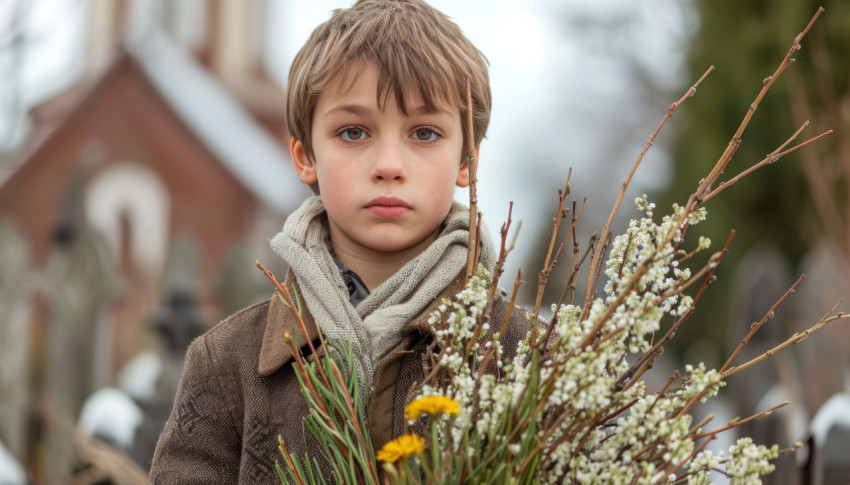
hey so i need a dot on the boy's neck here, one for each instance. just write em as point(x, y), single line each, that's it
point(375, 266)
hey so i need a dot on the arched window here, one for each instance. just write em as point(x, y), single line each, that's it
point(129, 205)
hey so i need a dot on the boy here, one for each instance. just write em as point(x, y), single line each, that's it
point(376, 107)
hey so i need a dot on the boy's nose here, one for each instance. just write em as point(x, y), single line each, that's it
point(388, 163)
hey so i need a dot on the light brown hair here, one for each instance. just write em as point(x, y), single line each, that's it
point(409, 43)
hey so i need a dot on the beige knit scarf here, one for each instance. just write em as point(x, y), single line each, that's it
point(377, 325)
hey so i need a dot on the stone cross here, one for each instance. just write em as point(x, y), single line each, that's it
point(15, 292)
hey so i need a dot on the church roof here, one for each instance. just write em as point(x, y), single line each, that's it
point(229, 131)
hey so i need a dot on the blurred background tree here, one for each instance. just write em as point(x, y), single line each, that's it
point(800, 200)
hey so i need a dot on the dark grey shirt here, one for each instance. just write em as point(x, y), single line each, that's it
point(357, 290)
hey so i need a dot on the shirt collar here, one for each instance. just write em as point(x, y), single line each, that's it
point(357, 290)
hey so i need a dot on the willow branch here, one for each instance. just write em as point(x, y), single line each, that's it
point(645, 360)
point(547, 267)
point(517, 283)
point(756, 326)
point(773, 157)
point(735, 142)
point(797, 337)
point(672, 109)
point(739, 422)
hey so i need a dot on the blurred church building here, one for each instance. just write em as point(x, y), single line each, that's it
point(159, 174)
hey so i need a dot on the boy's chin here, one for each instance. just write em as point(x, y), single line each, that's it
point(399, 243)
point(395, 246)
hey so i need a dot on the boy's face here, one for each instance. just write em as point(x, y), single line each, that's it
point(387, 180)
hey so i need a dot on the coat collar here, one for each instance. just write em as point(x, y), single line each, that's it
point(281, 319)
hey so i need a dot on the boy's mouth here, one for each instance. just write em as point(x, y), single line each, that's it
point(388, 207)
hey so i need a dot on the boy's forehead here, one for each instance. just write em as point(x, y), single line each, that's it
point(361, 82)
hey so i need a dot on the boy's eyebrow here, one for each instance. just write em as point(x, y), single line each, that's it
point(355, 109)
point(423, 110)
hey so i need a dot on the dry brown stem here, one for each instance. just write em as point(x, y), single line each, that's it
point(695, 428)
point(797, 337)
point(500, 262)
point(757, 325)
point(693, 454)
point(773, 157)
point(571, 232)
point(735, 424)
point(577, 263)
point(473, 195)
point(596, 260)
point(549, 262)
point(517, 283)
point(678, 289)
point(696, 200)
point(735, 142)
point(818, 179)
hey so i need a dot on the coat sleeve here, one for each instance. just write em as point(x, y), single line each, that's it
point(200, 442)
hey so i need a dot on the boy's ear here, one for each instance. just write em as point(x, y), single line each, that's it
point(463, 173)
point(305, 169)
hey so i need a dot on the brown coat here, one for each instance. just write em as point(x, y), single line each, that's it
point(238, 392)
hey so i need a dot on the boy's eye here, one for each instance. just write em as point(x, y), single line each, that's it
point(425, 134)
point(352, 134)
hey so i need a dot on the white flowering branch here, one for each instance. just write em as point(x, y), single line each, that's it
point(606, 229)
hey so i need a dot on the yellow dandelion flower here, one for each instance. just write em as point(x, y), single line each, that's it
point(401, 448)
point(433, 405)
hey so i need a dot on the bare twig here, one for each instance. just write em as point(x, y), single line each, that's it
point(678, 289)
point(776, 155)
point(756, 326)
point(797, 337)
point(735, 142)
point(645, 361)
point(517, 283)
point(739, 422)
point(549, 262)
point(500, 263)
point(693, 454)
point(473, 196)
point(577, 263)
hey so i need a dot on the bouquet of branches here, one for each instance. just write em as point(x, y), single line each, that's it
point(570, 404)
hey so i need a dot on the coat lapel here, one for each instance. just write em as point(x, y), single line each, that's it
point(281, 319)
